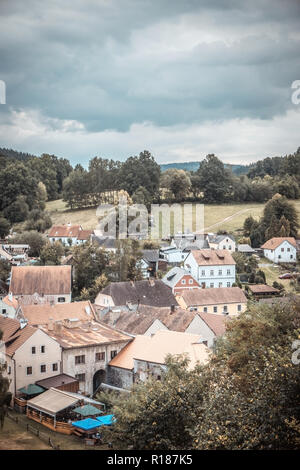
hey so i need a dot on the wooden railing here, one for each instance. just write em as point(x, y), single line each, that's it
point(59, 426)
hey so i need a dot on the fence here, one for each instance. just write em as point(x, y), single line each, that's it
point(29, 428)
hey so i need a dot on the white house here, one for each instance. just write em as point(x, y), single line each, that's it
point(69, 234)
point(221, 242)
point(8, 306)
point(281, 250)
point(211, 268)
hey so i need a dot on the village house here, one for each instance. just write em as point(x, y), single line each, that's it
point(281, 250)
point(245, 249)
point(261, 291)
point(8, 306)
point(147, 292)
point(41, 284)
point(211, 268)
point(179, 248)
point(221, 242)
point(146, 356)
point(211, 326)
point(223, 300)
point(105, 242)
point(30, 354)
point(42, 314)
point(147, 320)
point(149, 263)
point(69, 234)
point(178, 280)
point(87, 347)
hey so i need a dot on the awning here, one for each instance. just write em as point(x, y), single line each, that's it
point(106, 420)
point(31, 389)
point(86, 424)
point(52, 401)
point(88, 410)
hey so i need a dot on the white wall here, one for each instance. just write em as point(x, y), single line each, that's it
point(281, 253)
point(219, 278)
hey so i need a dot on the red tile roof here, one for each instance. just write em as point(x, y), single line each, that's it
point(213, 296)
point(276, 241)
point(47, 280)
point(217, 323)
point(213, 257)
point(68, 231)
point(262, 288)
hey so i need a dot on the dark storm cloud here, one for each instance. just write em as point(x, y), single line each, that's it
point(110, 64)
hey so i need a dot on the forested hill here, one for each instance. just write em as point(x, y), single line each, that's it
point(193, 166)
point(11, 154)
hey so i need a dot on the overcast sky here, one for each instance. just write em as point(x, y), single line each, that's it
point(180, 78)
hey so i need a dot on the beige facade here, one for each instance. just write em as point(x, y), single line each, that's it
point(234, 308)
point(41, 363)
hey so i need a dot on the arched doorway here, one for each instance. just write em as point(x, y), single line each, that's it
point(98, 378)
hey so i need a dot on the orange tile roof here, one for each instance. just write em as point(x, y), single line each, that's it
point(13, 335)
point(68, 231)
point(217, 323)
point(156, 348)
point(276, 241)
point(84, 234)
point(40, 314)
point(26, 280)
point(213, 257)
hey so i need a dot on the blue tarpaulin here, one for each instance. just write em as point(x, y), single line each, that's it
point(86, 424)
point(106, 420)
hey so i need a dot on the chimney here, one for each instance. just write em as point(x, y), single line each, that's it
point(172, 309)
point(58, 328)
point(10, 296)
point(51, 324)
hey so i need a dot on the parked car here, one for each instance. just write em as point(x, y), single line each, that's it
point(286, 276)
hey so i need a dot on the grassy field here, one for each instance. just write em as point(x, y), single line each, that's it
point(216, 216)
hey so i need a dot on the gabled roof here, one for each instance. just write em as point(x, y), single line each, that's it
point(69, 231)
point(213, 296)
point(174, 275)
point(151, 256)
point(41, 314)
point(27, 280)
point(13, 335)
point(275, 242)
point(262, 288)
point(84, 234)
point(139, 321)
point(156, 348)
point(147, 292)
point(56, 381)
point(11, 302)
point(220, 238)
point(217, 323)
point(212, 257)
point(245, 248)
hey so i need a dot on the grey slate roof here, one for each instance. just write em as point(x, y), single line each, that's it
point(245, 248)
point(219, 238)
point(151, 256)
point(173, 276)
point(154, 293)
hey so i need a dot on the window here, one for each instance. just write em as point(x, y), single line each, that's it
point(224, 247)
point(220, 272)
point(190, 281)
point(79, 359)
point(220, 284)
point(55, 367)
point(279, 256)
point(182, 281)
point(9, 370)
point(113, 354)
point(43, 368)
point(29, 370)
point(158, 377)
point(100, 356)
point(61, 299)
point(215, 309)
point(228, 284)
point(211, 284)
point(203, 272)
point(228, 272)
point(229, 247)
point(211, 272)
point(43, 349)
point(225, 308)
point(291, 256)
point(239, 308)
point(288, 249)
point(282, 249)
point(80, 377)
point(4, 311)
point(205, 309)
point(33, 350)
